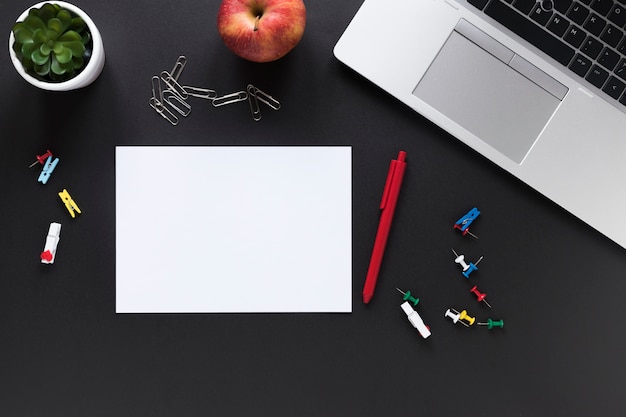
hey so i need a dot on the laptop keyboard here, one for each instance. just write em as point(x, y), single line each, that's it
point(586, 36)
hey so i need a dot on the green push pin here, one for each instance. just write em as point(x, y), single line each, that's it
point(408, 297)
point(493, 323)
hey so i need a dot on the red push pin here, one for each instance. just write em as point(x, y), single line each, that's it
point(41, 159)
point(480, 295)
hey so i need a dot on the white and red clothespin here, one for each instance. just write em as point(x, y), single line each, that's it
point(52, 240)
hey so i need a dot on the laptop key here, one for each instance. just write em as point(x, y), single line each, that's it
point(602, 6)
point(595, 24)
point(578, 13)
point(620, 70)
point(479, 4)
point(614, 87)
point(540, 16)
point(575, 36)
point(529, 31)
point(591, 47)
point(597, 76)
point(562, 6)
point(608, 59)
point(524, 6)
point(558, 25)
point(618, 15)
point(580, 65)
point(612, 35)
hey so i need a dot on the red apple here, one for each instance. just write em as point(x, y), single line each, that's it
point(261, 30)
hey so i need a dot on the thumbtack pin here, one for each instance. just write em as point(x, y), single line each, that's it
point(464, 316)
point(408, 297)
point(467, 268)
point(455, 316)
point(41, 159)
point(480, 295)
point(493, 323)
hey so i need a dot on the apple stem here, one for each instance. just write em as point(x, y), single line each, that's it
point(256, 23)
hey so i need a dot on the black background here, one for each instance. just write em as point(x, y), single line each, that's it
point(557, 283)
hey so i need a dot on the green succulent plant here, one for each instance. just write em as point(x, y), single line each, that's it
point(52, 43)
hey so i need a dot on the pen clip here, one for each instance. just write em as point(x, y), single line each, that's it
point(388, 182)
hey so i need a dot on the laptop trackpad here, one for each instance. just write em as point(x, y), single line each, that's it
point(490, 93)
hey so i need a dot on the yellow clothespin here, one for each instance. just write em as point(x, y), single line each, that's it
point(70, 204)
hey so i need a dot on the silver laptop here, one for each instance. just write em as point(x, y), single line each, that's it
point(538, 87)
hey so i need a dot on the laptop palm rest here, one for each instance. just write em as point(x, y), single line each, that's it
point(489, 90)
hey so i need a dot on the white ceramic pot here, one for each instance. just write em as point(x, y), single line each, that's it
point(87, 74)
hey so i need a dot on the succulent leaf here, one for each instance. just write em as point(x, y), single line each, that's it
point(34, 23)
point(58, 67)
point(70, 36)
point(39, 36)
point(47, 12)
point(66, 19)
point(51, 35)
point(42, 70)
point(76, 47)
point(64, 56)
point(56, 25)
point(23, 35)
point(38, 57)
point(45, 49)
point(29, 48)
point(78, 25)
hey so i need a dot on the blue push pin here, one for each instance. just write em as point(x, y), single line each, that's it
point(467, 268)
point(464, 222)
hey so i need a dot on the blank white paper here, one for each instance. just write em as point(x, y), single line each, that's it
point(233, 229)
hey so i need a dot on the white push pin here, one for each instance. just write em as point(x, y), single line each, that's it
point(455, 316)
point(415, 320)
point(467, 268)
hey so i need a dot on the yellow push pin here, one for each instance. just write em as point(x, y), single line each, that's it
point(464, 316)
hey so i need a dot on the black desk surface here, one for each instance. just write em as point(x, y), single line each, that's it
point(558, 284)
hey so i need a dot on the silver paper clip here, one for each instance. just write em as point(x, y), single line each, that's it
point(265, 98)
point(157, 94)
point(163, 111)
point(254, 103)
point(230, 98)
point(200, 92)
point(176, 102)
point(173, 85)
point(178, 67)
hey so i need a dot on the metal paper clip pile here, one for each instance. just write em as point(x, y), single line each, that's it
point(169, 97)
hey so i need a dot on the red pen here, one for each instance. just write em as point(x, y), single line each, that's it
point(388, 207)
